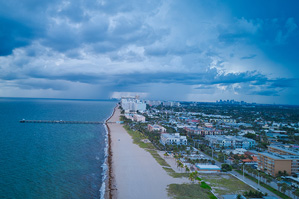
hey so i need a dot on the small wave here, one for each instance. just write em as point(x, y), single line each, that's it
point(104, 165)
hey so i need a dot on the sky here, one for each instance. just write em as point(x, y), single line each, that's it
point(194, 50)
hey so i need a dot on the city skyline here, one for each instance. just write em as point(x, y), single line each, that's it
point(164, 50)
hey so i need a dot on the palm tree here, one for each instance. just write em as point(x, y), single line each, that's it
point(181, 165)
point(268, 179)
point(296, 192)
point(178, 163)
point(192, 177)
point(187, 169)
point(279, 185)
point(284, 187)
point(166, 154)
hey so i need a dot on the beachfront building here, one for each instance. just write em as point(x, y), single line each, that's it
point(156, 128)
point(132, 104)
point(175, 138)
point(279, 158)
point(203, 168)
point(232, 142)
point(135, 117)
point(138, 118)
point(129, 116)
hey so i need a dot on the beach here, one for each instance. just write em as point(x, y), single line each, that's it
point(134, 173)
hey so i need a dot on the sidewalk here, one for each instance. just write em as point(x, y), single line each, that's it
point(253, 184)
point(246, 180)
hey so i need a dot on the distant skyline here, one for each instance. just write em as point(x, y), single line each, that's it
point(197, 50)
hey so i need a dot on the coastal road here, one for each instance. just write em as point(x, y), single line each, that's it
point(245, 180)
point(253, 184)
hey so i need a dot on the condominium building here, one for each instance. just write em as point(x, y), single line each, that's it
point(279, 158)
point(282, 150)
point(272, 163)
point(232, 142)
point(169, 139)
point(132, 104)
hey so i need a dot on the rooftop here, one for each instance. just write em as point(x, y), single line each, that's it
point(294, 151)
point(279, 157)
point(205, 166)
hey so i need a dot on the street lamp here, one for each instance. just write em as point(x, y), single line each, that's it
point(243, 171)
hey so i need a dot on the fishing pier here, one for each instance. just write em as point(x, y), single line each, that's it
point(66, 122)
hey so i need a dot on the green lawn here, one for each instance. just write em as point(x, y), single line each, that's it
point(189, 191)
point(266, 186)
point(137, 139)
point(225, 184)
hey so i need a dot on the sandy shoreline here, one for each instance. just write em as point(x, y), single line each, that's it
point(133, 172)
point(109, 181)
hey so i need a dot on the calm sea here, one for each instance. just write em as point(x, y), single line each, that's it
point(52, 160)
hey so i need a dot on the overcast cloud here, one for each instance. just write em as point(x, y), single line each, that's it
point(171, 50)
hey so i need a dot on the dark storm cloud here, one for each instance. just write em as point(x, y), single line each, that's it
point(285, 83)
point(21, 22)
point(265, 93)
point(64, 26)
point(15, 34)
point(128, 45)
point(32, 84)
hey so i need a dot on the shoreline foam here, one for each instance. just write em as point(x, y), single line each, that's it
point(134, 173)
point(108, 161)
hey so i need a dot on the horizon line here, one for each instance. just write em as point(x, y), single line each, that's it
point(117, 99)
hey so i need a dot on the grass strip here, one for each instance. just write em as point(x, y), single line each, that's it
point(137, 139)
point(265, 185)
point(158, 158)
point(205, 186)
point(189, 191)
point(172, 173)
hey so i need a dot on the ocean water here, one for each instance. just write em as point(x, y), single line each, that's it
point(52, 160)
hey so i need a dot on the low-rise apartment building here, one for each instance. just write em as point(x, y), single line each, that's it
point(139, 118)
point(203, 131)
point(135, 117)
point(175, 138)
point(230, 142)
point(156, 127)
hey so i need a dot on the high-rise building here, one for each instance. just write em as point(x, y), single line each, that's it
point(132, 104)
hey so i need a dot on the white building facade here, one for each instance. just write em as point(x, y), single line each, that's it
point(170, 139)
point(132, 104)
